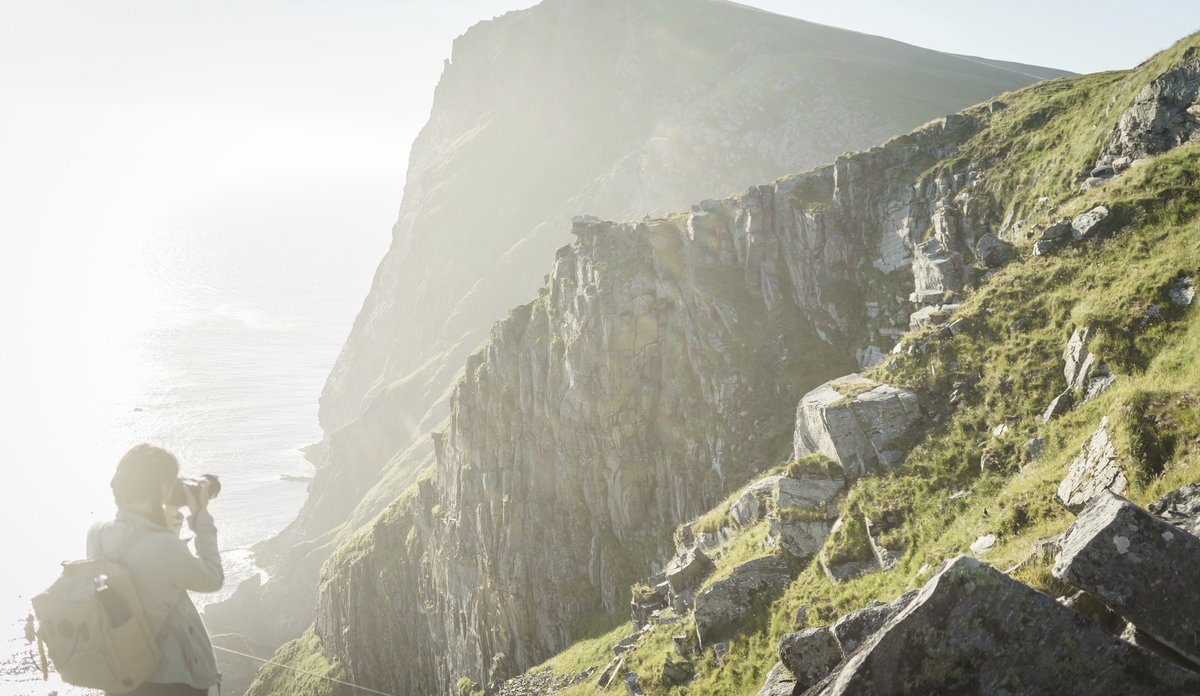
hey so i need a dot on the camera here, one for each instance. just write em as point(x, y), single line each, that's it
point(207, 481)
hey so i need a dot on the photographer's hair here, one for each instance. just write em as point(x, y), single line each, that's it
point(140, 476)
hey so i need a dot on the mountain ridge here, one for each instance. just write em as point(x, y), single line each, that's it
point(617, 109)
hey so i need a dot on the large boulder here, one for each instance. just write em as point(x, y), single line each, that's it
point(721, 606)
point(862, 424)
point(810, 654)
point(1095, 470)
point(1092, 223)
point(1141, 566)
point(974, 630)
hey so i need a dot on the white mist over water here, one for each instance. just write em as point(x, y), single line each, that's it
point(140, 302)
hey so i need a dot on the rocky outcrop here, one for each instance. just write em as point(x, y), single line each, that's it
point(1095, 470)
point(721, 606)
point(1164, 115)
point(862, 424)
point(1142, 567)
point(968, 629)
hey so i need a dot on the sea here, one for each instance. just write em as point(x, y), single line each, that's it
point(206, 324)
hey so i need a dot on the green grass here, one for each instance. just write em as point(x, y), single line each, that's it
point(303, 654)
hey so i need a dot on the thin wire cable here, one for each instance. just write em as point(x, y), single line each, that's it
point(295, 669)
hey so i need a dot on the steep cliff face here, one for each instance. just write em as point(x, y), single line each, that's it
point(658, 370)
point(611, 107)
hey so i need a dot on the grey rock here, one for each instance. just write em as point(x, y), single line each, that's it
point(609, 673)
point(676, 672)
point(923, 317)
point(721, 606)
point(1180, 507)
point(809, 490)
point(983, 544)
point(1183, 291)
point(1058, 406)
point(1102, 171)
point(993, 252)
point(1079, 364)
point(1043, 247)
point(686, 570)
point(810, 655)
point(1094, 470)
point(864, 432)
point(1056, 231)
point(936, 268)
point(1145, 569)
point(633, 685)
point(927, 297)
point(856, 627)
point(973, 630)
point(1090, 606)
point(841, 572)
point(1098, 385)
point(869, 356)
point(682, 643)
point(1091, 223)
point(779, 682)
point(799, 538)
point(626, 643)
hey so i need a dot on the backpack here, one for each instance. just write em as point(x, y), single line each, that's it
point(91, 623)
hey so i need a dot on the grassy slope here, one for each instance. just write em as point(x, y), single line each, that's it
point(1035, 148)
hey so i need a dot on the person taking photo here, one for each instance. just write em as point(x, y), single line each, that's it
point(162, 566)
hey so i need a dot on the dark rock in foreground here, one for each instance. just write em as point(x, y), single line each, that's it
point(1142, 567)
point(973, 630)
point(810, 654)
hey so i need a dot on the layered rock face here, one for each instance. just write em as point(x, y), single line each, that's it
point(612, 107)
point(658, 370)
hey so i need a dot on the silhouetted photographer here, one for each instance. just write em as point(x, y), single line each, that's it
point(122, 620)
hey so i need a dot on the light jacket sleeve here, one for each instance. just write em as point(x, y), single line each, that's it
point(201, 572)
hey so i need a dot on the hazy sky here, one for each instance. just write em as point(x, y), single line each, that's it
point(228, 92)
